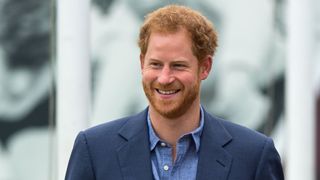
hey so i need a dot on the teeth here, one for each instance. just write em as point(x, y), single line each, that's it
point(166, 92)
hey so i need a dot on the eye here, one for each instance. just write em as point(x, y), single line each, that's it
point(179, 66)
point(155, 65)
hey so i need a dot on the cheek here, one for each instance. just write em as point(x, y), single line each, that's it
point(189, 80)
point(148, 76)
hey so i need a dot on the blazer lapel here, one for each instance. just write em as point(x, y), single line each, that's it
point(214, 162)
point(134, 154)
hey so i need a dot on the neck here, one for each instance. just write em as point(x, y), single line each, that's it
point(171, 129)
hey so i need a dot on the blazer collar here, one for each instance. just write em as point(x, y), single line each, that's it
point(134, 154)
point(214, 162)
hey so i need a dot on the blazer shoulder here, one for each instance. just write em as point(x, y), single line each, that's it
point(252, 148)
point(95, 150)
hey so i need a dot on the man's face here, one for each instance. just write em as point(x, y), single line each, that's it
point(171, 73)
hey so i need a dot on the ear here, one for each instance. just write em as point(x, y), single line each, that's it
point(205, 67)
point(141, 62)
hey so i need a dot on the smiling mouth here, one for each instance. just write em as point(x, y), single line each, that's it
point(167, 92)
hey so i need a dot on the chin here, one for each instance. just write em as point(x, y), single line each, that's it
point(170, 111)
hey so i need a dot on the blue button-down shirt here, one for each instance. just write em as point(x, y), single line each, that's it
point(185, 165)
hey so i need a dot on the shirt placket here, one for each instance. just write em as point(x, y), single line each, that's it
point(165, 164)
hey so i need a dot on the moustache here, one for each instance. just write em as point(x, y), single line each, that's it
point(167, 86)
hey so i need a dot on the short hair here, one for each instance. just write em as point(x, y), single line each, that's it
point(171, 18)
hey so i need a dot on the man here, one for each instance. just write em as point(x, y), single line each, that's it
point(174, 138)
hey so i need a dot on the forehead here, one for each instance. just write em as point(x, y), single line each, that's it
point(170, 46)
point(179, 39)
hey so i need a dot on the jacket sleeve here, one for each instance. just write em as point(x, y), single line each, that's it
point(269, 166)
point(80, 163)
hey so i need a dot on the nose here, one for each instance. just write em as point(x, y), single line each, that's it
point(165, 76)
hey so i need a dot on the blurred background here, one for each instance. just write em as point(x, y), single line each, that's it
point(263, 77)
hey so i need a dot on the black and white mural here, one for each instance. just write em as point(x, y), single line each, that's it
point(25, 89)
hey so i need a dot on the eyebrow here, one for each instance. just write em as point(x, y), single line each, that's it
point(151, 59)
point(174, 61)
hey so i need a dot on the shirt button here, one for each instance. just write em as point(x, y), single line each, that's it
point(166, 167)
point(163, 144)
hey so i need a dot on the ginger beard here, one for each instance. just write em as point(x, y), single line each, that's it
point(172, 108)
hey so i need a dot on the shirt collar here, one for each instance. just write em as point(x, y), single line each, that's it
point(195, 134)
point(153, 138)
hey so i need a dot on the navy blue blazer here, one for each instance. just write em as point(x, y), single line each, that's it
point(119, 150)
